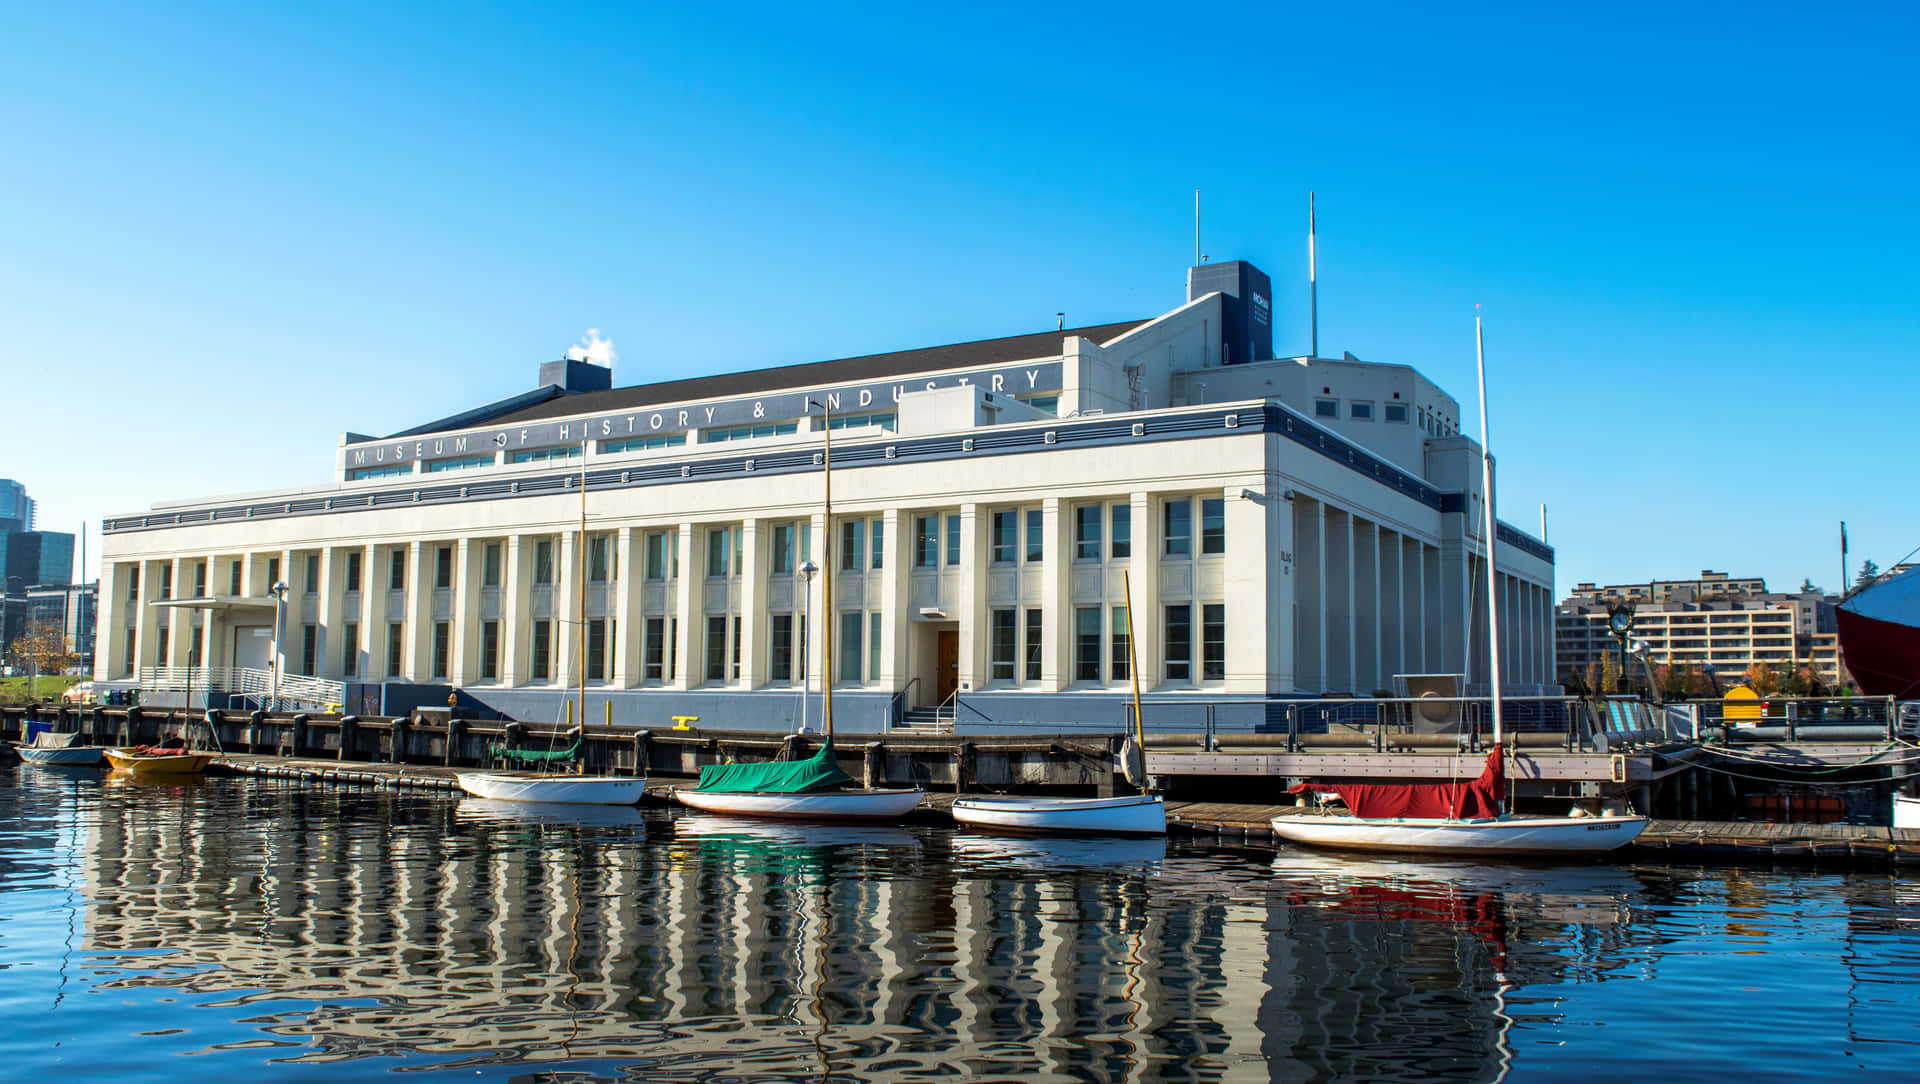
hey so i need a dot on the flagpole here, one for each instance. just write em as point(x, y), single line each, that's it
point(1843, 559)
point(1313, 280)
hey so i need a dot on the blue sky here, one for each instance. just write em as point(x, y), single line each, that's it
point(233, 234)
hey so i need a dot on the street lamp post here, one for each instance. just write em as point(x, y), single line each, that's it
point(279, 592)
point(807, 570)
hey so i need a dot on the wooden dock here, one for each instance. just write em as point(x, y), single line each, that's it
point(1680, 842)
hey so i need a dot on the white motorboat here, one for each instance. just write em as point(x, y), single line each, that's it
point(1458, 817)
point(554, 789)
point(488, 810)
point(1505, 835)
point(1133, 814)
point(828, 805)
point(1906, 809)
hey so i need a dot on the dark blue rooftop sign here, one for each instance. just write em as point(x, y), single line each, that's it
point(1018, 380)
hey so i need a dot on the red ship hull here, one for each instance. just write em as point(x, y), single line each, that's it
point(1884, 656)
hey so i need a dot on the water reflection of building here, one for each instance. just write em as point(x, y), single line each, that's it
point(404, 929)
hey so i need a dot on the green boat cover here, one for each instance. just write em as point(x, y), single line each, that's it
point(776, 777)
point(534, 756)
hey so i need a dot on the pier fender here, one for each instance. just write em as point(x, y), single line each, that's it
point(254, 719)
point(296, 734)
point(130, 727)
point(397, 739)
point(349, 725)
point(212, 719)
point(456, 731)
point(641, 753)
point(96, 725)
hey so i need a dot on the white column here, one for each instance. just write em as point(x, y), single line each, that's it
point(755, 560)
point(326, 659)
point(516, 613)
point(463, 665)
point(628, 591)
point(1143, 569)
point(1366, 607)
point(1056, 602)
point(1259, 593)
point(566, 612)
point(1310, 596)
point(419, 610)
point(896, 596)
point(686, 671)
point(972, 594)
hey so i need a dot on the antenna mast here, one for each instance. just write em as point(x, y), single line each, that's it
point(1313, 279)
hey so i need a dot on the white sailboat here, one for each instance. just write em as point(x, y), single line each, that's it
point(1472, 819)
point(571, 788)
point(815, 788)
point(1139, 814)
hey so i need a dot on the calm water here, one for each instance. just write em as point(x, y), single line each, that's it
point(248, 930)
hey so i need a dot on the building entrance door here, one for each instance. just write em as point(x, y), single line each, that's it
point(946, 667)
point(253, 647)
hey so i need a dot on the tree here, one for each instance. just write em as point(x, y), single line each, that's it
point(1869, 572)
point(1761, 679)
point(44, 649)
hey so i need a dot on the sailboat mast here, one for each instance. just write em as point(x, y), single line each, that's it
point(1486, 502)
point(580, 610)
point(826, 589)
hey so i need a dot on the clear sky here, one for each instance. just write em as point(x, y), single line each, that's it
point(231, 235)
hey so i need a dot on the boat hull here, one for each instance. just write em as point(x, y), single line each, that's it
point(1136, 815)
point(553, 789)
point(1540, 836)
point(826, 805)
point(72, 756)
point(1906, 811)
point(1882, 656)
point(163, 764)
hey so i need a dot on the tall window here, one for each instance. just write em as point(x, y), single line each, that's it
point(1213, 641)
point(1036, 534)
point(129, 667)
point(166, 580)
point(273, 571)
point(1002, 644)
point(133, 582)
point(394, 657)
point(1120, 545)
point(353, 571)
point(1119, 666)
point(1213, 525)
point(233, 578)
point(440, 644)
point(1086, 643)
point(597, 649)
point(1179, 642)
point(784, 549)
point(1035, 627)
point(717, 648)
point(490, 565)
point(199, 579)
point(876, 529)
point(953, 540)
point(926, 541)
point(160, 648)
point(543, 561)
point(873, 646)
point(350, 651)
point(396, 570)
point(663, 557)
point(542, 650)
point(780, 644)
point(309, 648)
point(852, 532)
point(443, 566)
point(722, 550)
point(196, 647)
point(313, 573)
point(656, 648)
point(599, 558)
point(851, 626)
point(1086, 532)
point(1179, 524)
point(1005, 537)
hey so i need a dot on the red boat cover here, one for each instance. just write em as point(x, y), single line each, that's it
point(1473, 800)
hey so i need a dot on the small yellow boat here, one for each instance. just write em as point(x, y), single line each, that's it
point(144, 761)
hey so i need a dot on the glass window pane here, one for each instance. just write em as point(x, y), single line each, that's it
point(1213, 525)
point(781, 643)
point(1036, 534)
point(1003, 645)
point(847, 651)
point(717, 648)
point(926, 541)
point(1086, 532)
point(1035, 627)
point(1122, 543)
point(953, 540)
point(1120, 663)
point(1005, 537)
point(873, 646)
point(1086, 643)
point(1179, 642)
point(1213, 642)
point(1179, 532)
point(877, 532)
point(850, 536)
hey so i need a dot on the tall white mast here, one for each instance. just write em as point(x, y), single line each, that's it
point(1486, 502)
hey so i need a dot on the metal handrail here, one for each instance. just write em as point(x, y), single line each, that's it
point(896, 710)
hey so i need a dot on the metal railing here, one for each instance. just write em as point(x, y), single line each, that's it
point(1804, 718)
point(246, 681)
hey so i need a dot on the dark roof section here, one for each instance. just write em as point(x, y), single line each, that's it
point(843, 371)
